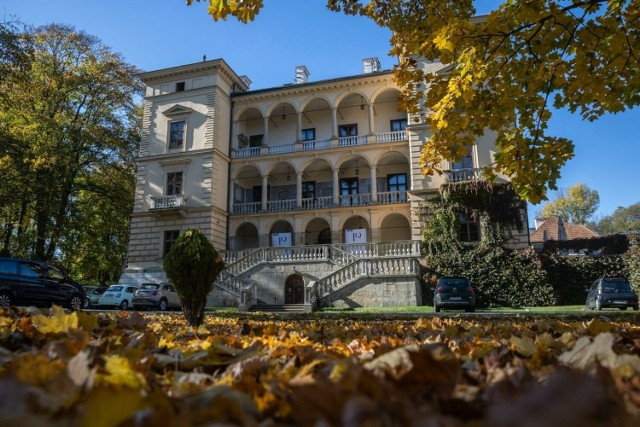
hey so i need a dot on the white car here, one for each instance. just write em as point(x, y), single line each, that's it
point(117, 296)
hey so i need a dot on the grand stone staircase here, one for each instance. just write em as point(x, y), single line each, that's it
point(350, 264)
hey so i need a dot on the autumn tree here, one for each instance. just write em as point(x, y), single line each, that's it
point(509, 70)
point(192, 265)
point(575, 205)
point(67, 119)
point(622, 220)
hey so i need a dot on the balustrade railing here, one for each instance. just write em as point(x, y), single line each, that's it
point(231, 283)
point(246, 262)
point(317, 202)
point(365, 267)
point(316, 144)
point(355, 199)
point(168, 202)
point(395, 136)
point(350, 141)
point(281, 205)
point(284, 148)
point(298, 253)
point(247, 208)
point(381, 249)
point(247, 152)
point(321, 144)
point(460, 175)
point(388, 197)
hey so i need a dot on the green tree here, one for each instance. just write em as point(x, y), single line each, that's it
point(66, 117)
point(510, 69)
point(622, 220)
point(576, 205)
point(192, 265)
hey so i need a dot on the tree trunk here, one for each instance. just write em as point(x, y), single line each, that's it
point(193, 311)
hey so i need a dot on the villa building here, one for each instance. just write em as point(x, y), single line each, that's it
point(311, 191)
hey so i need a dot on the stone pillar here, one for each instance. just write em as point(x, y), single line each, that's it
point(336, 187)
point(374, 185)
point(371, 119)
point(265, 131)
point(334, 123)
point(299, 126)
point(265, 182)
point(299, 189)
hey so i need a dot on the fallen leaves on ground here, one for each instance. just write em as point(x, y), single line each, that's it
point(64, 368)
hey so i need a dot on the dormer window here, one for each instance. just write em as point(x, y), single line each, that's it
point(176, 134)
point(180, 87)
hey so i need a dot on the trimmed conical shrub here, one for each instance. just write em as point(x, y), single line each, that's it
point(192, 265)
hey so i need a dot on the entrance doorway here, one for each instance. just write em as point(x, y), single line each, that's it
point(294, 290)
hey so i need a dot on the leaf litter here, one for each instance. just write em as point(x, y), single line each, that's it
point(134, 369)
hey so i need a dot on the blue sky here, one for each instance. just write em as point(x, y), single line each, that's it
point(165, 33)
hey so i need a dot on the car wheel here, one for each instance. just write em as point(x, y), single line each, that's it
point(162, 305)
point(87, 303)
point(76, 303)
point(5, 300)
point(470, 310)
point(623, 308)
point(124, 305)
point(437, 308)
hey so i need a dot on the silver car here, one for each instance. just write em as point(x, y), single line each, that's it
point(158, 296)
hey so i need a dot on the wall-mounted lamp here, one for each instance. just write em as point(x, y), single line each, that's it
point(283, 115)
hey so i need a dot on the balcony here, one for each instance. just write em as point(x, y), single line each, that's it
point(168, 204)
point(351, 200)
point(320, 144)
point(462, 175)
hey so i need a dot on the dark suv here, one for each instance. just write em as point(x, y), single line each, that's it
point(27, 282)
point(613, 292)
point(453, 292)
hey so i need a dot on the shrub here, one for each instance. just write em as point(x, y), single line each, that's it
point(500, 277)
point(192, 265)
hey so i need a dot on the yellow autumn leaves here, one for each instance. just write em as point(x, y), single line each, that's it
point(332, 370)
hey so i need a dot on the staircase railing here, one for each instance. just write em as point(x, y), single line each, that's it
point(364, 268)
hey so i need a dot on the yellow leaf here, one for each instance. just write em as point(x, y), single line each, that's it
point(119, 373)
point(523, 346)
point(57, 322)
point(105, 408)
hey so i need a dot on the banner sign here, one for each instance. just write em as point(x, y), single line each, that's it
point(280, 239)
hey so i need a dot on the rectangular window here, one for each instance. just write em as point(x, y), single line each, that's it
point(469, 231)
point(308, 189)
point(174, 183)
point(349, 191)
point(180, 87)
point(347, 130)
point(466, 162)
point(170, 237)
point(176, 134)
point(397, 186)
point(308, 134)
point(398, 125)
point(255, 140)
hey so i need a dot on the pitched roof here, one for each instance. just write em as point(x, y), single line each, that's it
point(554, 228)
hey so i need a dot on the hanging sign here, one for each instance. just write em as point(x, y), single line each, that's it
point(280, 239)
point(355, 235)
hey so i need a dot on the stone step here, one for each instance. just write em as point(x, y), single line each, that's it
point(279, 308)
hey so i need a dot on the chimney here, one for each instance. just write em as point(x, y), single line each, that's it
point(246, 80)
point(371, 65)
point(302, 74)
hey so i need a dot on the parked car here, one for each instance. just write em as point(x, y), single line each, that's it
point(453, 292)
point(154, 295)
point(117, 296)
point(28, 282)
point(611, 292)
point(93, 295)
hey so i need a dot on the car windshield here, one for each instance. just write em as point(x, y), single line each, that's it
point(454, 283)
point(115, 288)
point(616, 285)
point(99, 291)
point(150, 286)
